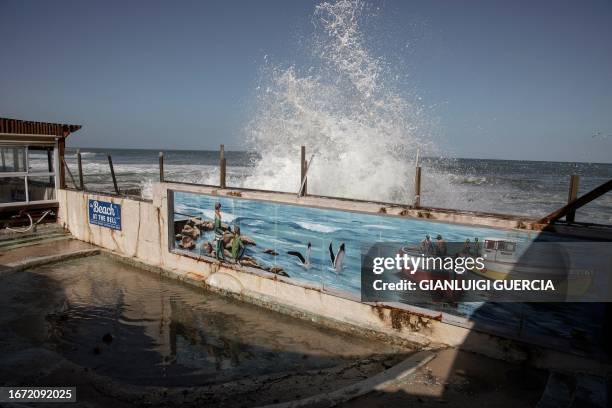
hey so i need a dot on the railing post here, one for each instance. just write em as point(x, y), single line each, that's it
point(112, 169)
point(303, 166)
point(80, 167)
point(161, 167)
point(222, 166)
point(70, 174)
point(417, 187)
point(572, 195)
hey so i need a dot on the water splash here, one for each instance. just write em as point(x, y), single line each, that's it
point(346, 109)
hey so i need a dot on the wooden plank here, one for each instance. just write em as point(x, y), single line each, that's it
point(572, 195)
point(303, 164)
point(417, 187)
point(112, 169)
point(222, 167)
point(80, 167)
point(161, 167)
point(577, 203)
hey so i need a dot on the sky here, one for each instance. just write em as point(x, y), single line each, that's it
point(500, 79)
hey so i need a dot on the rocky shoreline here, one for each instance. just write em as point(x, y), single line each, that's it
point(187, 233)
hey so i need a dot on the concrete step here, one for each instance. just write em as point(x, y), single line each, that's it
point(31, 239)
point(41, 230)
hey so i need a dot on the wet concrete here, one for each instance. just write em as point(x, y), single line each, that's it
point(128, 336)
point(24, 253)
point(461, 379)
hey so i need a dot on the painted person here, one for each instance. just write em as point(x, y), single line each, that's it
point(477, 247)
point(237, 245)
point(467, 248)
point(427, 246)
point(218, 229)
point(440, 246)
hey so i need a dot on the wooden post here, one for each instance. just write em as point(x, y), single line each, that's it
point(417, 187)
point(303, 166)
point(161, 167)
point(112, 169)
point(70, 174)
point(572, 195)
point(80, 167)
point(222, 167)
point(61, 146)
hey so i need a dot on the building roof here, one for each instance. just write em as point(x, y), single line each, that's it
point(26, 127)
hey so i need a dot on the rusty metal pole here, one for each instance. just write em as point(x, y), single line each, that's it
point(572, 195)
point(112, 169)
point(80, 167)
point(303, 166)
point(222, 167)
point(417, 187)
point(161, 167)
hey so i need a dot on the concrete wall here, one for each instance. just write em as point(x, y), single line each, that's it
point(144, 239)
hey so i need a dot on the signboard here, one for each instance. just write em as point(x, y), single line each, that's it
point(105, 214)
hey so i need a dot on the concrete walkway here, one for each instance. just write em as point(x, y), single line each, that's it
point(50, 244)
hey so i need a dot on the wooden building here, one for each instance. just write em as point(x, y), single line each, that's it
point(31, 170)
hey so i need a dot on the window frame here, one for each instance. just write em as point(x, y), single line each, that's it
point(27, 173)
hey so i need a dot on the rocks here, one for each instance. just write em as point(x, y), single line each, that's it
point(278, 271)
point(193, 232)
point(247, 240)
point(187, 243)
point(207, 248)
point(178, 237)
point(270, 252)
point(249, 262)
point(206, 226)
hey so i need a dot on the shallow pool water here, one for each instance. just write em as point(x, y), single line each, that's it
point(140, 328)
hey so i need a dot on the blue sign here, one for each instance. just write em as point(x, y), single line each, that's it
point(105, 214)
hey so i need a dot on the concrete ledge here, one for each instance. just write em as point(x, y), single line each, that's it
point(44, 260)
point(387, 378)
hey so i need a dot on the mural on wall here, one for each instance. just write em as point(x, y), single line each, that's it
point(314, 245)
point(323, 246)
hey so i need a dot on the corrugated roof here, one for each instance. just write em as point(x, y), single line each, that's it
point(26, 127)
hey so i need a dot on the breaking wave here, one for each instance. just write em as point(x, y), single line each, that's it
point(346, 109)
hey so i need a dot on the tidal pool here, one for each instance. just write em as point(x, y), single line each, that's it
point(139, 328)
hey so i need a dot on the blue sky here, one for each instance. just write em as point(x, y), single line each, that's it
point(502, 79)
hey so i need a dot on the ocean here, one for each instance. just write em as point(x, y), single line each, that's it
point(530, 188)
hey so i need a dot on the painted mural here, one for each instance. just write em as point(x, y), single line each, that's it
point(323, 246)
point(314, 245)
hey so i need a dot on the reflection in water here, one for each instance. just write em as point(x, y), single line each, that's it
point(164, 333)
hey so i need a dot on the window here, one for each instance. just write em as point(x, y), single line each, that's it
point(489, 244)
point(27, 174)
point(12, 159)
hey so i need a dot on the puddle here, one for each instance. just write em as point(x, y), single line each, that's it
point(141, 329)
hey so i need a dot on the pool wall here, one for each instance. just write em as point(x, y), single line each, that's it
point(145, 239)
